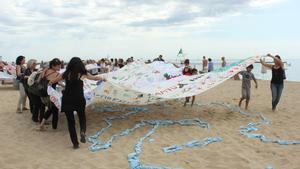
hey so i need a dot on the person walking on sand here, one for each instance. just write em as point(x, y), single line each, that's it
point(51, 73)
point(20, 73)
point(73, 97)
point(246, 85)
point(278, 76)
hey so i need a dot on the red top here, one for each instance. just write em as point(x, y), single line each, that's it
point(187, 73)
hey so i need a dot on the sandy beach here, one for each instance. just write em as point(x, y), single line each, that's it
point(23, 147)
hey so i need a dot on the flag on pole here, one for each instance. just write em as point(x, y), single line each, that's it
point(180, 52)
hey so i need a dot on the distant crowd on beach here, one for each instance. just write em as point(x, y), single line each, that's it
point(34, 78)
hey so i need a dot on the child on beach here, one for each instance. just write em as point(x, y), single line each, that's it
point(189, 72)
point(246, 85)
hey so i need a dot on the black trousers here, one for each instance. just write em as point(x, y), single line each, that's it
point(71, 124)
point(54, 111)
point(38, 108)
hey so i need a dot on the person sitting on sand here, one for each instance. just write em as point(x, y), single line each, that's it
point(278, 76)
point(73, 97)
point(246, 85)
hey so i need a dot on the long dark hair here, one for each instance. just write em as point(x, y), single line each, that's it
point(19, 59)
point(74, 69)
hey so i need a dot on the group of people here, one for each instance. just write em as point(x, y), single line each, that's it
point(71, 80)
point(208, 64)
point(107, 65)
point(277, 81)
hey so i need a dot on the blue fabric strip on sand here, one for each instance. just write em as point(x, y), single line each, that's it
point(133, 158)
point(190, 144)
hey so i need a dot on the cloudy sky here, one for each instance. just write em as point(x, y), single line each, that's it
point(120, 28)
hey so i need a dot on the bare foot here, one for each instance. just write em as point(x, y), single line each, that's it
point(42, 125)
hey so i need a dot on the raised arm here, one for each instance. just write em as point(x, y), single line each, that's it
point(55, 80)
point(265, 64)
point(18, 70)
point(96, 78)
point(176, 65)
point(277, 60)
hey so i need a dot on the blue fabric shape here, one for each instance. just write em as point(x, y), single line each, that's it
point(191, 144)
point(269, 167)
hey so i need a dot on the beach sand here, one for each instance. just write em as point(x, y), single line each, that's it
point(23, 147)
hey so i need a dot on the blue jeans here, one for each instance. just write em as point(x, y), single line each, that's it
point(276, 94)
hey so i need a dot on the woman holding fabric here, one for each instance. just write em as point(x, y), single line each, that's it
point(36, 106)
point(73, 97)
point(51, 73)
point(278, 76)
point(20, 72)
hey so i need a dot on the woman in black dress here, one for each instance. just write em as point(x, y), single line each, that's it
point(73, 97)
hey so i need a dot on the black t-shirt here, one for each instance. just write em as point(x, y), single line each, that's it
point(277, 75)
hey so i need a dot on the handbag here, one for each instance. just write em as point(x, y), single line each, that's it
point(40, 87)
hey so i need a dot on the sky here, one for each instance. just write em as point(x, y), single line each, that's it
point(46, 29)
